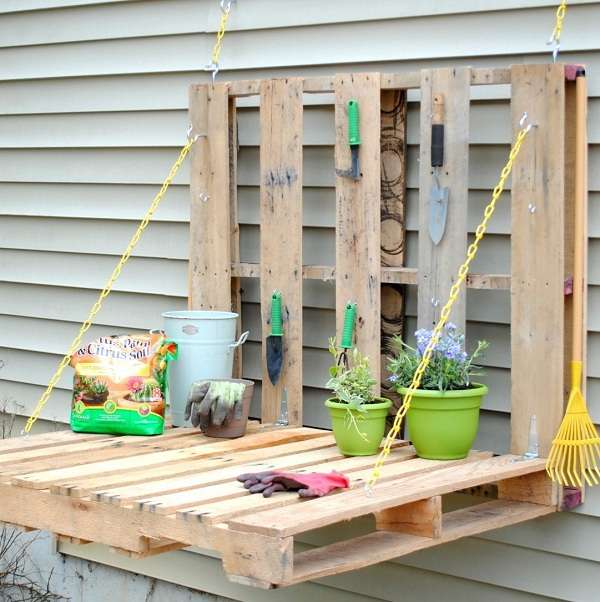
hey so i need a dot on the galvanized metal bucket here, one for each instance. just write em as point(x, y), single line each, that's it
point(206, 342)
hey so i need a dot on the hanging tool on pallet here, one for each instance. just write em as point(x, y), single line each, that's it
point(353, 141)
point(347, 333)
point(575, 450)
point(438, 196)
point(274, 342)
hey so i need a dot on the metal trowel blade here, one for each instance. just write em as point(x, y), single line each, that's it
point(438, 212)
point(274, 357)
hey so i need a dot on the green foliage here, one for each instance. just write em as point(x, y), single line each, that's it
point(354, 384)
point(450, 368)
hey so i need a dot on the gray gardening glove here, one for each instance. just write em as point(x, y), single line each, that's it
point(212, 402)
point(199, 404)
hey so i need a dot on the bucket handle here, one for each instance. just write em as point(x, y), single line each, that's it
point(243, 338)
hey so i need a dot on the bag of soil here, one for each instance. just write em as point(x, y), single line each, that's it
point(120, 384)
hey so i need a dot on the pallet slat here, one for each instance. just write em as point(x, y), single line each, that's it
point(344, 506)
point(384, 545)
point(210, 220)
point(45, 479)
point(281, 237)
point(537, 256)
point(443, 260)
point(358, 230)
point(87, 485)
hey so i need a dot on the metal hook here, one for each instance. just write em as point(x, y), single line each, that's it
point(214, 67)
point(556, 47)
point(523, 119)
point(189, 134)
point(226, 5)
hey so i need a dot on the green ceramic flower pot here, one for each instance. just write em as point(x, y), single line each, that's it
point(371, 424)
point(443, 425)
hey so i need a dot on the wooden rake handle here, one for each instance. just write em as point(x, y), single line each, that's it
point(580, 226)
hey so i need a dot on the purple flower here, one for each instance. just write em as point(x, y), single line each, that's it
point(393, 378)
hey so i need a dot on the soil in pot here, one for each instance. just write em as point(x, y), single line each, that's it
point(443, 425)
point(371, 425)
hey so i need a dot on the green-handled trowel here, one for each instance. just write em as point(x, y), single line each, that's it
point(274, 341)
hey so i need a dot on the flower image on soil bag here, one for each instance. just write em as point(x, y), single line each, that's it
point(120, 384)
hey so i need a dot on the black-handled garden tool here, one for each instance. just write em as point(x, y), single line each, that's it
point(274, 341)
point(438, 197)
point(347, 333)
point(354, 142)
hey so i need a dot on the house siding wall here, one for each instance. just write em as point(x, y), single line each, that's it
point(93, 109)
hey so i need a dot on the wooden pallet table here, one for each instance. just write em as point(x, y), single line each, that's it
point(149, 495)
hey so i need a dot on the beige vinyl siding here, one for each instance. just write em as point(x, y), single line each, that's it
point(93, 110)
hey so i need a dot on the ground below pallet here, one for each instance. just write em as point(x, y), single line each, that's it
point(148, 495)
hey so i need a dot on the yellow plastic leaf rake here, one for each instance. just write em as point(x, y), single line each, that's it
point(575, 452)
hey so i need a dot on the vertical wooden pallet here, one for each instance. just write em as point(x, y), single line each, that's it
point(365, 255)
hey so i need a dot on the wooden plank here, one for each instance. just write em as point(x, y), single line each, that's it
point(236, 285)
point(91, 454)
point(44, 479)
point(393, 227)
point(396, 492)
point(210, 221)
point(536, 488)
point(389, 81)
point(399, 275)
point(126, 445)
point(87, 485)
point(281, 237)
point(47, 440)
point(378, 547)
point(400, 464)
point(358, 231)
point(443, 260)
point(225, 473)
point(423, 518)
point(355, 467)
point(537, 256)
point(259, 558)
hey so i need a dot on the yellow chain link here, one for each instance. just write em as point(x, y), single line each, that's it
point(561, 11)
point(216, 53)
point(445, 313)
point(109, 285)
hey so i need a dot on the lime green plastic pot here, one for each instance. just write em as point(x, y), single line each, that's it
point(443, 425)
point(371, 424)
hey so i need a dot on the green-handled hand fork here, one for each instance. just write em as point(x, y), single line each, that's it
point(347, 333)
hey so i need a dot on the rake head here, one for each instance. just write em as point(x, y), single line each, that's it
point(575, 453)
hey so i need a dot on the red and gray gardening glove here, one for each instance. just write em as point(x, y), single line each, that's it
point(310, 484)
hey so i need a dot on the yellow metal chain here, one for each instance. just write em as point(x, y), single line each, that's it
point(109, 285)
point(216, 52)
point(445, 313)
point(561, 11)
